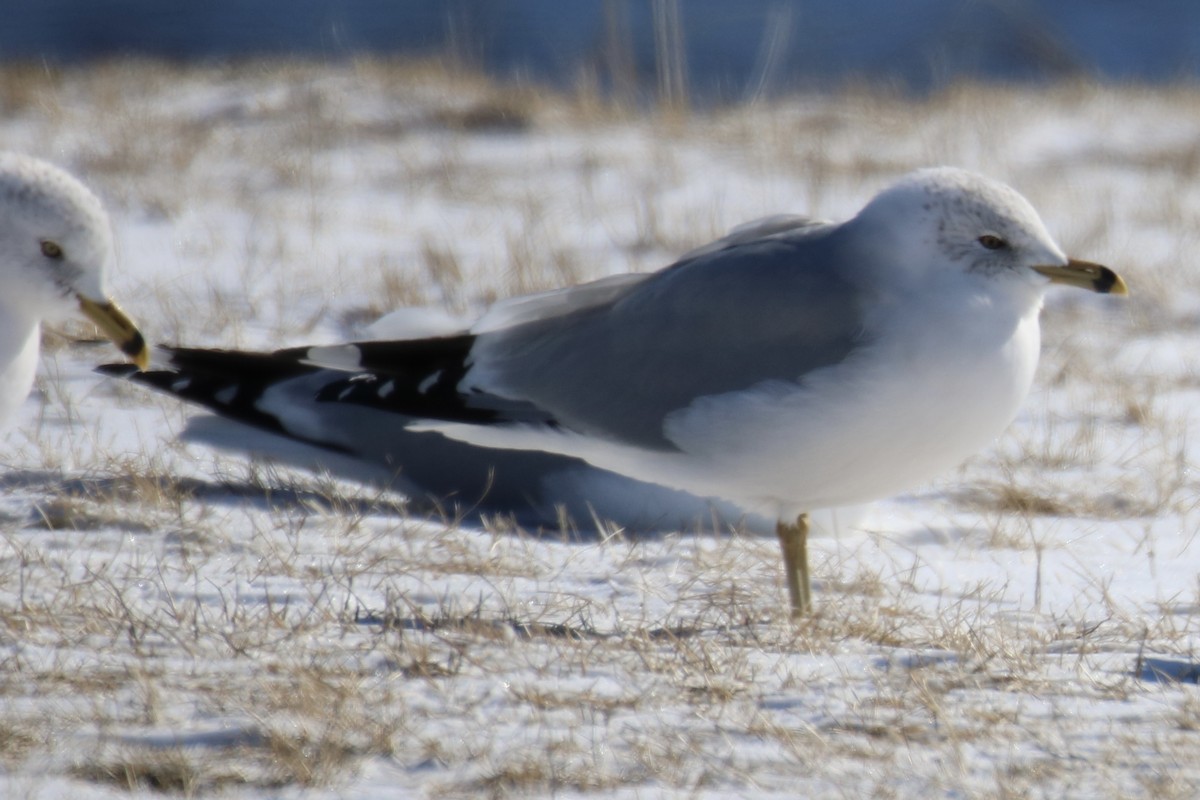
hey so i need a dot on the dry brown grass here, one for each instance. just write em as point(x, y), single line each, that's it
point(157, 590)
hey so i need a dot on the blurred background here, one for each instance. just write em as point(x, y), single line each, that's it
point(705, 50)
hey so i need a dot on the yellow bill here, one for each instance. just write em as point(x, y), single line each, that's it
point(1085, 275)
point(112, 321)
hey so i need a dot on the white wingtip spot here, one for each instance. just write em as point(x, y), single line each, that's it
point(387, 389)
point(344, 357)
point(226, 395)
point(181, 384)
point(425, 385)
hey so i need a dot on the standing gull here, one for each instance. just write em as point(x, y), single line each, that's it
point(55, 250)
point(790, 366)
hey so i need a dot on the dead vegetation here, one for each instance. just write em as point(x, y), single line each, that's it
point(188, 625)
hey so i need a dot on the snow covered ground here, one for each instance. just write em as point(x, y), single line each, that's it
point(173, 619)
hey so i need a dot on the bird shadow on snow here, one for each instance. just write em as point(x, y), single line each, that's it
point(225, 492)
point(581, 629)
point(284, 498)
point(1167, 670)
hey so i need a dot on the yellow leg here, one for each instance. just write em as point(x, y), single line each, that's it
point(793, 539)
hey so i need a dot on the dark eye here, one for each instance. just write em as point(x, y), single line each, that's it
point(992, 242)
point(51, 249)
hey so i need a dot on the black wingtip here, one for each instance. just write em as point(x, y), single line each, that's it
point(228, 383)
point(117, 370)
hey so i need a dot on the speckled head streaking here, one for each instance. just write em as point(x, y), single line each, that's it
point(54, 236)
point(55, 251)
point(973, 224)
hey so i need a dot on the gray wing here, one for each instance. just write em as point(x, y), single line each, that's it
point(773, 226)
point(560, 302)
point(725, 318)
point(515, 311)
point(772, 302)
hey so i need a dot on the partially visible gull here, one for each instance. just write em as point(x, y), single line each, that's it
point(790, 366)
point(55, 251)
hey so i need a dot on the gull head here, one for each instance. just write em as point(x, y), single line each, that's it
point(56, 249)
point(940, 219)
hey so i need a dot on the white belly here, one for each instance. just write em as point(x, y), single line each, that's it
point(20, 364)
point(863, 430)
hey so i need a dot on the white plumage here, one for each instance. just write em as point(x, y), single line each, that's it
point(55, 253)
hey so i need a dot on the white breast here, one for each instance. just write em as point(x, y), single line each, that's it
point(19, 341)
point(894, 417)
